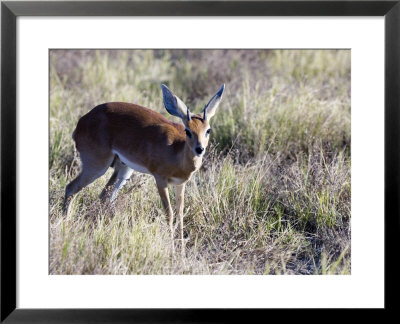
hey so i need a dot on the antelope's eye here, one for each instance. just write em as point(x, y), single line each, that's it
point(188, 133)
point(208, 131)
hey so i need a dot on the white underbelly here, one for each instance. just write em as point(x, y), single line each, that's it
point(176, 181)
point(132, 165)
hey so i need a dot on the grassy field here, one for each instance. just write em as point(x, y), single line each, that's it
point(273, 195)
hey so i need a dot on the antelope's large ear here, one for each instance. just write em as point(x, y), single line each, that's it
point(174, 105)
point(211, 107)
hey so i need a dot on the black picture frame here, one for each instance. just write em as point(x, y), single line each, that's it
point(9, 13)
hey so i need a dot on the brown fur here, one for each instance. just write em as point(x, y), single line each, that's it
point(144, 136)
point(131, 137)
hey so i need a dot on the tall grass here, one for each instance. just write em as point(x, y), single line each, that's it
point(273, 194)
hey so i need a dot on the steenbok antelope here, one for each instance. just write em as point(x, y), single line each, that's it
point(129, 137)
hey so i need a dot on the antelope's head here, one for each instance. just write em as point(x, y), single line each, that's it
point(197, 126)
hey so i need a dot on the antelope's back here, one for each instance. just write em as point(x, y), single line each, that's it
point(125, 126)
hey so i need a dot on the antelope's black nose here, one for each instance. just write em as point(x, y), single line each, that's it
point(199, 150)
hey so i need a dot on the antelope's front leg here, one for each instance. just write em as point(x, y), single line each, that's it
point(162, 186)
point(180, 195)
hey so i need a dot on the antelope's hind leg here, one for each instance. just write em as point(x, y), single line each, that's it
point(91, 170)
point(118, 179)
